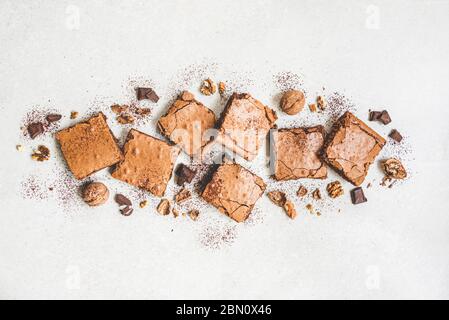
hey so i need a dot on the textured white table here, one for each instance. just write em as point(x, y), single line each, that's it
point(66, 54)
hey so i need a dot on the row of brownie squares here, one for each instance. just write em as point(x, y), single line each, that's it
point(147, 162)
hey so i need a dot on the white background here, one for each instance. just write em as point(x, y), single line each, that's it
point(383, 53)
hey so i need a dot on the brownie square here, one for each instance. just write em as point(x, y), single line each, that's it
point(186, 122)
point(244, 125)
point(89, 146)
point(234, 190)
point(296, 153)
point(148, 162)
point(352, 147)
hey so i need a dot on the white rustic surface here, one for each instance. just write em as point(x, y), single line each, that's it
point(383, 53)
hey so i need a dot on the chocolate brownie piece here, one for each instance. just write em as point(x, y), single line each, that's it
point(89, 146)
point(244, 125)
point(186, 122)
point(352, 147)
point(296, 153)
point(148, 162)
point(234, 190)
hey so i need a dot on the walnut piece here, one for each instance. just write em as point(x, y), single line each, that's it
point(183, 195)
point(302, 191)
point(73, 115)
point(143, 204)
point(193, 214)
point(208, 87)
point(125, 119)
point(41, 154)
point(95, 194)
point(163, 207)
point(289, 208)
point(321, 103)
point(277, 197)
point(118, 109)
point(316, 194)
point(312, 107)
point(335, 189)
point(221, 87)
point(394, 169)
point(292, 102)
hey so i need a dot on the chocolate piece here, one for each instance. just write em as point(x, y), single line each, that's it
point(374, 115)
point(302, 191)
point(208, 87)
point(122, 200)
point(234, 190)
point(394, 169)
point(244, 125)
point(95, 194)
point(163, 207)
point(53, 117)
point(126, 211)
point(292, 102)
point(184, 174)
point(385, 117)
point(395, 135)
point(352, 147)
point(35, 129)
point(147, 164)
point(89, 146)
point(334, 189)
point(147, 93)
point(357, 196)
point(183, 195)
point(296, 153)
point(277, 197)
point(290, 210)
point(186, 123)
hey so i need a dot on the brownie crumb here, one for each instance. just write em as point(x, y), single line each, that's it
point(312, 107)
point(183, 195)
point(335, 189)
point(175, 212)
point(277, 197)
point(163, 207)
point(302, 191)
point(194, 214)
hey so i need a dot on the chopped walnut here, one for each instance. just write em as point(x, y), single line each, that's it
point(321, 103)
point(277, 197)
point(41, 154)
point(335, 189)
point(309, 207)
point(163, 207)
point(289, 208)
point(143, 203)
point(394, 169)
point(143, 111)
point(73, 115)
point(125, 119)
point(19, 148)
point(118, 109)
point(208, 87)
point(175, 212)
point(302, 191)
point(183, 195)
point(316, 194)
point(221, 87)
point(193, 214)
point(312, 107)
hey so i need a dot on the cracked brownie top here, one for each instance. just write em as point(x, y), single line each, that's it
point(186, 123)
point(234, 190)
point(352, 147)
point(296, 153)
point(148, 162)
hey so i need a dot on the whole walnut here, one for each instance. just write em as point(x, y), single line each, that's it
point(95, 194)
point(292, 102)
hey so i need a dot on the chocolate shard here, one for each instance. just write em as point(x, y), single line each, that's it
point(374, 115)
point(126, 211)
point(395, 135)
point(184, 174)
point(385, 117)
point(53, 117)
point(35, 129)
point(357, 196)
point(122, 200)
point(146, 93)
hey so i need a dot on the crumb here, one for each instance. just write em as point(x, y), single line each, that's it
point(321, 103)
point(163, 207)
point(312, 107)
point(183, 195)
point(289, 208)
point(193, 214)
point(302, 191)
point(19, 147)
point(175, 212)
point(143, 204)
point(368, 185)
point(316, 194)
point(221, 87)
point(73, 115)
point(277, 197)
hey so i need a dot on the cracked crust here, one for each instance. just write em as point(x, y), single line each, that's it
point(352, 147)
point(148, 162)
point(296, 153)
point(186, 122)
point(244, 124)
point(234, 190)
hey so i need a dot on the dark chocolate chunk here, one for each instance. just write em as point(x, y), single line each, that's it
point(53, 117)
point(395, 135)
point(385, 117)
point(147, 93)
point(374, 115)
point(35, 129)
point(122, 200)
point(184, 174)
point(357, 196)
point(126, 211)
